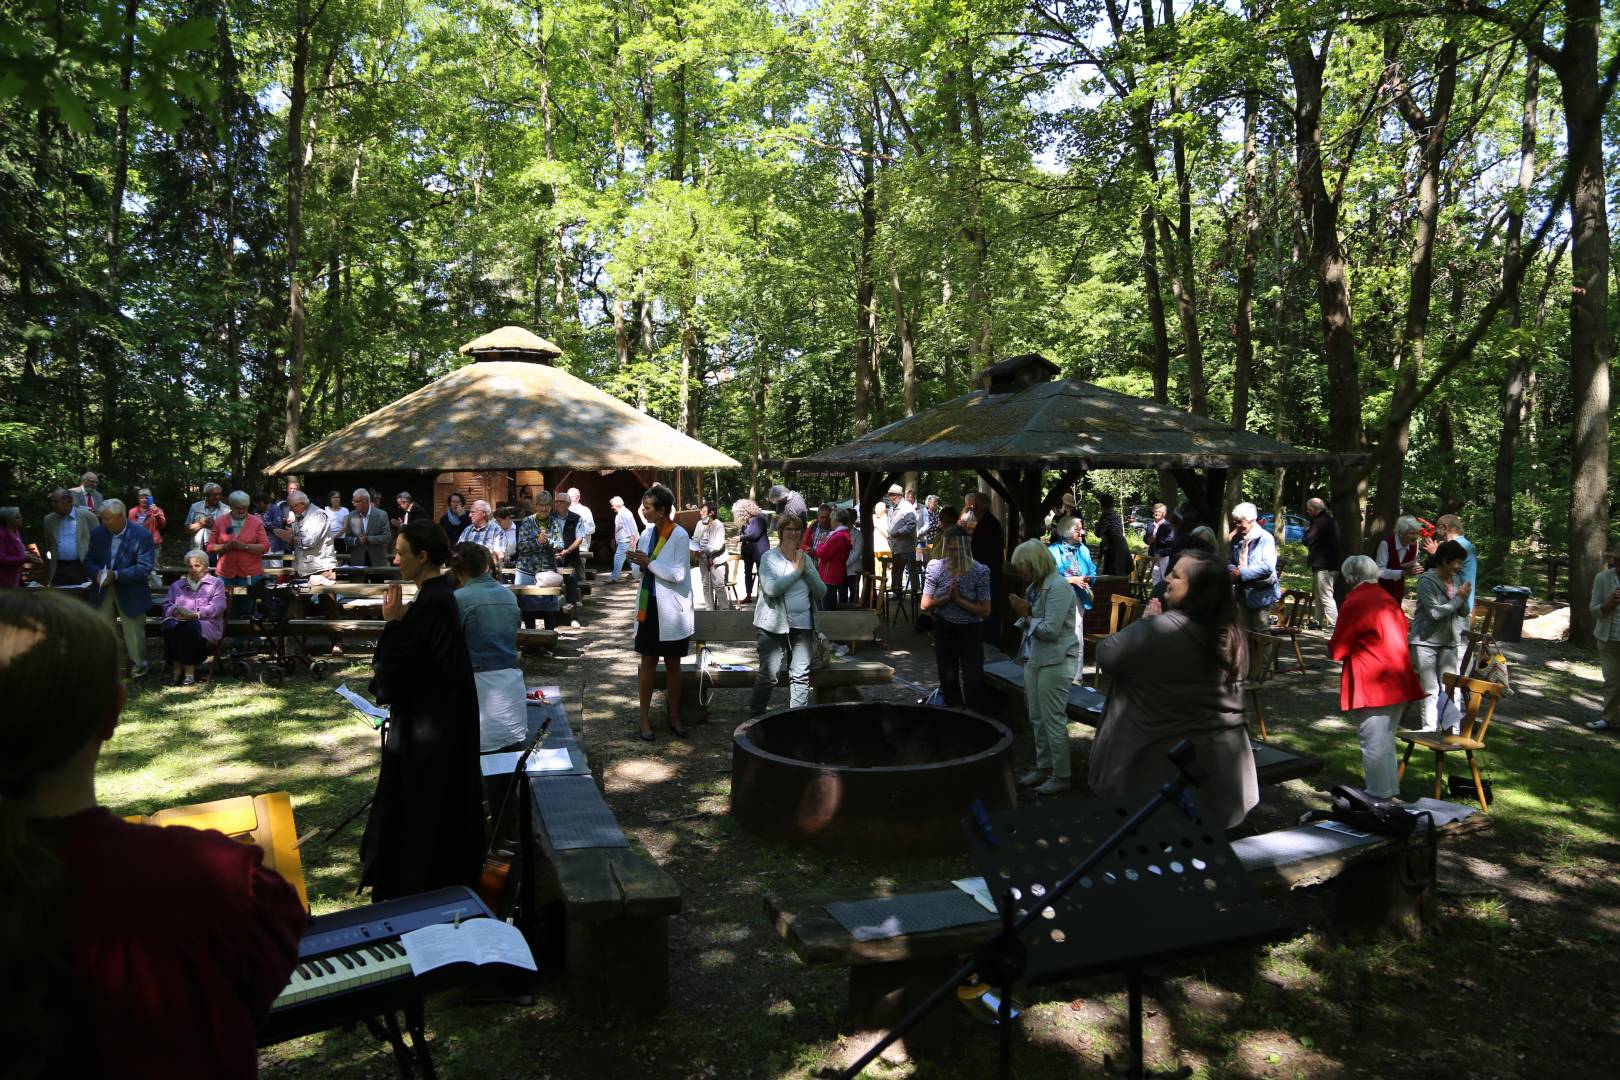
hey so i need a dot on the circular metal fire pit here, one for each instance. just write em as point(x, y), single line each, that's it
point(869, 779)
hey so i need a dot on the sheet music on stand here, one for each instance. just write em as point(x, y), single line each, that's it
point(373, 714)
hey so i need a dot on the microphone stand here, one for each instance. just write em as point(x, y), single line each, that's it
point(1004, 958)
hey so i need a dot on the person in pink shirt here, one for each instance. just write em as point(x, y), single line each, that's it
point(13, 552)
point(238, 542)
point(149, 515)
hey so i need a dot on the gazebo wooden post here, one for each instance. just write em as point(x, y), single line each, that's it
point(863, 515)
point(1206, 490)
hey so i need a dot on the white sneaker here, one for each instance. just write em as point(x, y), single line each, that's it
point(1032, 778)
point(1602, 725)
point(1052, 786)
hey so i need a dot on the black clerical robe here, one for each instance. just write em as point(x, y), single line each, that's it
point(426, 828)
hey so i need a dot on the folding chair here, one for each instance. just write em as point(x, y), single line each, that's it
point(1290, 613)
point(1123, 610)
point(1263, 651)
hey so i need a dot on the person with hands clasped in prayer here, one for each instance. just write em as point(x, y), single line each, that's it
point(790, 592)
point(426, 828)
point(1074, 563)
point(663, 605)
point(956, 592)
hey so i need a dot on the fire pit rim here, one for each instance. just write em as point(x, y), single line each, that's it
point(1004, 739)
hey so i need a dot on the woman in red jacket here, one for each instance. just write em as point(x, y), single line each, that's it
point(149, 515)
point(832, 555)
point(1377, 679)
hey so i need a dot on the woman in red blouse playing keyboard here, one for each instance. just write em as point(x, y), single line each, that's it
point(128, 950)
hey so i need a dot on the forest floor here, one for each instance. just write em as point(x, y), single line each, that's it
point(1518, 979)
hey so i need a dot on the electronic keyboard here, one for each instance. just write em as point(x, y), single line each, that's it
point(351, 964)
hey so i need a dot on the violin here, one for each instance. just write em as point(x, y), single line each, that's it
point(501, 852)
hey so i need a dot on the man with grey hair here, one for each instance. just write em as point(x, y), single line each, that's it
point(118, 563)
point(200, 518)
point(369, 535)
point(786, 501)
point(309, 532)
point(624, 537)
point(85, 494)
point(66, 540)
point(1252, 566)
point(1322, 546)
point(483, 529)
point(587, 527)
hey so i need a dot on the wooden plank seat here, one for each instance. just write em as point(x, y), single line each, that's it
point(603, 910)
point(368, 628)
point(1370, 876)
point(1272, 764)
point(714, 663)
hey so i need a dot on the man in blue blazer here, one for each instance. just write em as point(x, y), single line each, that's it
point(118, 563)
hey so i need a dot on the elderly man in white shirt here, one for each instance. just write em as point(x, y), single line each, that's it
point(710, 544)
point(586, 529)
point(625, 534)
point(200, 518)
point(1606, 632)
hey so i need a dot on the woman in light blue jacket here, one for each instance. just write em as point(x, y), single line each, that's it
point(790, 592)
point(1051, 655)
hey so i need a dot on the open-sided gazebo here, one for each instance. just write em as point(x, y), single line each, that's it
point(1025, 421)
point(506, 422)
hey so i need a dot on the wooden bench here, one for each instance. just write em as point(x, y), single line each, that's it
point(366, 628)
point(1272, 764)
point(604, 911)
point(734, 668)
point(889, 975)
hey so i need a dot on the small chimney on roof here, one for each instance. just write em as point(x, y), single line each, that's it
point(1017, 373)
point(512, 343)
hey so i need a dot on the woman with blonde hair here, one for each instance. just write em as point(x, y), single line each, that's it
point(956, 592)
point(134, 950)
point(1045, 615)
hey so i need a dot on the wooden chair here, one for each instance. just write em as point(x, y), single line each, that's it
point(265, 821)
point(1123, 610)
point(1141, 576)
point(1480, 699)
point(1263, 651)
point(1289, 615)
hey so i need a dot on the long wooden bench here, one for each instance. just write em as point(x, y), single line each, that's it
point(1272, 764)
point(719, 660)
point(888, 975)
point(604, 911)
point(363, 628)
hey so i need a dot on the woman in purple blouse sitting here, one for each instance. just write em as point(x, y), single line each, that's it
point(193, 619)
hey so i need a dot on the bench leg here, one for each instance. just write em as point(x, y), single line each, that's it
point(880, 996)
point(1375, 897)
point(691, 711)
point(618, 967)
point(833, 695)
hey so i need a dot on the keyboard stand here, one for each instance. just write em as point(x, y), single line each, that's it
point(387, 1030)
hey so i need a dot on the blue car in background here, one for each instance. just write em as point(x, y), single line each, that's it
point(1293, 526)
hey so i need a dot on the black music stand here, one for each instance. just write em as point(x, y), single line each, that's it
point(1143, 891)
point(1173, 886)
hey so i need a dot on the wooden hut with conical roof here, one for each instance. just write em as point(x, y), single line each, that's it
point(503, 426)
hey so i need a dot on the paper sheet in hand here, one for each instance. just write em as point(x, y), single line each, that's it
point(374, 714)
point(475, 941)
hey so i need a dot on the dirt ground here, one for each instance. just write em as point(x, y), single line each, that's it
point(1516, 980)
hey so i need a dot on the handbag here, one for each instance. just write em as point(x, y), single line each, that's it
point(1494, 668)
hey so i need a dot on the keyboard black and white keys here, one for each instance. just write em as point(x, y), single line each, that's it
point(351, 964)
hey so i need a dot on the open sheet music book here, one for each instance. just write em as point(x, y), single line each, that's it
point(473, 941)
point(373, 714)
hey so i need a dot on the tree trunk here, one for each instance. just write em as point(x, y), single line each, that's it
point(1519, 356)
point(111, 346)
point(1430, 130)
point(1246, 267)
point(296, 93)
point(908, 354)
point(1327, 261)
point(864, 289)
point(1183, 283)
point(979, 291)
point(1589, 494)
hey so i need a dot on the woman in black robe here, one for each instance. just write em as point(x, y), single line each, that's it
point(426, 828)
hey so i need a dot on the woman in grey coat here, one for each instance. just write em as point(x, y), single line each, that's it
point(1179, 676)
point(1051, 654)
point(1438, 624)
point(790, 592)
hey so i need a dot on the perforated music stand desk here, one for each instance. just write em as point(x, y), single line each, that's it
point(1174, 887)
